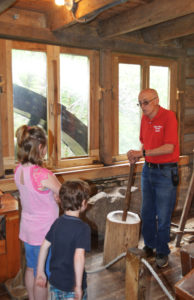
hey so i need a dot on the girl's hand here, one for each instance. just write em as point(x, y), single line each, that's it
point(41, 280)
point(57, 199)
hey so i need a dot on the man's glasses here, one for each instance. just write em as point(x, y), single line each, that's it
point(146, 102)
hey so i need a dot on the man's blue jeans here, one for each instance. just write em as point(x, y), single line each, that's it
point(158, 201)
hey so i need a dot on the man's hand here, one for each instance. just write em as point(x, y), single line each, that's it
point(134, 155)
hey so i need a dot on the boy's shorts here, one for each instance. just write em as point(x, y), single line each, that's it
point(57, 294)
point(31, 253)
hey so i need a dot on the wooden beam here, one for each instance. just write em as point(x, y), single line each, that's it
point(188, 42)
point(60, 17)
point(176, 28)
point(144, 16)
point(26, 33)
point(106, 136)
point(90, 173)
point(17, 16)
point(76, 37)
point(4, 4)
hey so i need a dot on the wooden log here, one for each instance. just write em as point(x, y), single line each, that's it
point(120, 236)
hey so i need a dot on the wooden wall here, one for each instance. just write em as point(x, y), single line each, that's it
point(188, 130)
point(185, 100)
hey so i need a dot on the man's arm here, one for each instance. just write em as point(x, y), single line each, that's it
point(162, 150)
point(134, 155)
point(79, 262)
point(41, 278)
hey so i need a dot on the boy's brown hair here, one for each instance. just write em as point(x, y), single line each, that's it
point(72, 194)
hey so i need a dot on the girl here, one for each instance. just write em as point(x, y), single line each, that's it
point(38, 189)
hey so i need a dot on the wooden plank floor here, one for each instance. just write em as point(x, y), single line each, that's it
point(109, 284)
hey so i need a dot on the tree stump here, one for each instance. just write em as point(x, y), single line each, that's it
point(119, 236)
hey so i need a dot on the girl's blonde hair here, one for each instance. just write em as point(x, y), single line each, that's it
point(31, 142)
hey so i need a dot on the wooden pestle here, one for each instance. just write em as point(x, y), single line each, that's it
point(128, 192)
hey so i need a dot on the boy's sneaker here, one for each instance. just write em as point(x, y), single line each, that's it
point(161, 260)
point(148, 251)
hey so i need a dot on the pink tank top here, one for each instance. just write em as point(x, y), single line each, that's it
point(39, 208)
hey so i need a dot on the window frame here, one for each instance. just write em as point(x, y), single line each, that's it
point(145, 62)
point(54, 160)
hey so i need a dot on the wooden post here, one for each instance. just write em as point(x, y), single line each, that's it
point(106, 140)
point(133, 289)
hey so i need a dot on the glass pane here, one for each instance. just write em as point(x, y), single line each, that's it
point(129, 113)
point(159, 80)
point(29, 88)
point(74, 97)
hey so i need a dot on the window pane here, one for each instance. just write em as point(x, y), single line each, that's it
point(159, 80)
point(74, 97)
point(29, 88)
point(129, 113)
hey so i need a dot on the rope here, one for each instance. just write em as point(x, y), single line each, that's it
point(145, 263)
point(157, 279)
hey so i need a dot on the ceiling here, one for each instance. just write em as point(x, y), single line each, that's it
point(153, 22)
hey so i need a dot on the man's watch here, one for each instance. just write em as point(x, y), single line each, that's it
point(144, 154)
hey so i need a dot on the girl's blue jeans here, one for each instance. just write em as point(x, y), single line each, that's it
point(158, 201)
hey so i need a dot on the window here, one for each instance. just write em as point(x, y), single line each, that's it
point(74, 99)
point(29, 88)
point(133, 74)
point(129, 118)
point(159, 80)
point(55, 87)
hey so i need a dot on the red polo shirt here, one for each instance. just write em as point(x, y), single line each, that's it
point(160, 130)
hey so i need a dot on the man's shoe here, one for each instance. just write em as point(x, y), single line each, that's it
point(148, 251)
point(161, 260)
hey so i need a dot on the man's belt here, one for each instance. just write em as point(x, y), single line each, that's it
point(160, 166)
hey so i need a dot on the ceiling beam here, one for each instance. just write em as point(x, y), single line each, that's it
point(77, 38)
point(188, 42)
point(17, 16)
point(173, 29)
point(144, 16)
point(60, 17)
point(4, 4)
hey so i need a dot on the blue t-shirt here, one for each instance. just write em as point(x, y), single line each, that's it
point(66, 235)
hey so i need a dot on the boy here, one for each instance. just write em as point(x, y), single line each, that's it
point(69, 238)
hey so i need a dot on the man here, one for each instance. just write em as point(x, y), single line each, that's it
point(159, 138)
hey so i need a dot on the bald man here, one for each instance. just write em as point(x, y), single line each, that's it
point(160, 147)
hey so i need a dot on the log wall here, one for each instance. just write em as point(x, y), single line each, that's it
point(188, 141)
